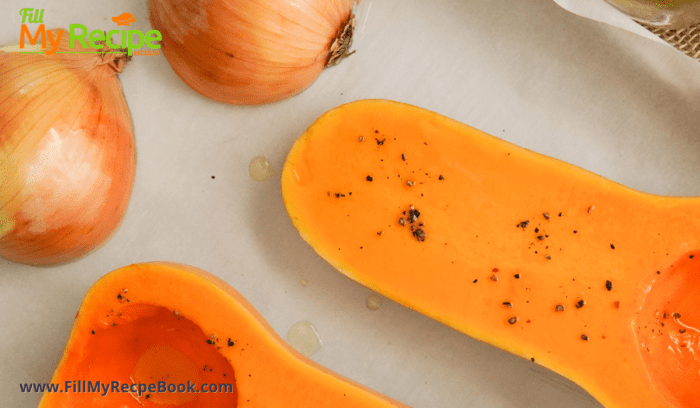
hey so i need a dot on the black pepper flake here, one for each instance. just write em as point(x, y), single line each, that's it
point(513, 320)
point(516, 276)
point(508, 304)
point(523, 224)
point(584, 337)
point(230, 342)
point(440, 177)
point(612, 246)
point(337, 195)
point(676, 315)
point(560, 214)
point(370, 178)
point(559, 308)
point(548, 257)
point(692, 256)
point(608, 285)
point(403, 157)
point(532, 359)
point(475, 280)
point(361, 139)
point(575, 232)
point(537, 230)
point(380, 142)
point(580, 304)
point(93, 332)
point(119, 296)
point(540, 237)
point(494, 277)
point(681, 331)
point(380, 233)
point(148, 396)
point(420, 234)
point(209, 341)
point(545, 215)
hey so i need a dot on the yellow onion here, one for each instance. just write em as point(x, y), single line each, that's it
point(252, 51)
point(67, 155)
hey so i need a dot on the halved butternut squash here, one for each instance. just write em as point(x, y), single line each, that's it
point(167, 334)
point(591, 279)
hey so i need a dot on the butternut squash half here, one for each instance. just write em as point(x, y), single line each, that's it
point(179, 329)
point(591, 279)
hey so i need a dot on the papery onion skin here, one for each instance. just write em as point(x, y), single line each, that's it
point(67, 154)
point(249, 52)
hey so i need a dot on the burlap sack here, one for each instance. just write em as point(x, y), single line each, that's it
point(686, 40)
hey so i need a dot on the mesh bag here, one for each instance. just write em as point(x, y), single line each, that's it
point(686, 40)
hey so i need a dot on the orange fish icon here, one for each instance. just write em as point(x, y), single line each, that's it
point(124, 20)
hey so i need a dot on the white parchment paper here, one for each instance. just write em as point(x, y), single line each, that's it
point(601, 11)
point(528, 72)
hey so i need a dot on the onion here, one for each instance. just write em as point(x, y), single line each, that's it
point(252, 51)
point(67, 155)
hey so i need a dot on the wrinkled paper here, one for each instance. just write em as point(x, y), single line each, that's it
point(600, 10)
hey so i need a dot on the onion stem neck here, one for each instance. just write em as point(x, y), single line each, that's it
point(115, 58)
point(116, 61)
point(342, 43)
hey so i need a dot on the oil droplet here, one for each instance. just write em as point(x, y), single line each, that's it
point(260, 168)
point(374, 302)
point(304, 338)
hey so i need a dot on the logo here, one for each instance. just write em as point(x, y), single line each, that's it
point(124, 20)
point(132, 40)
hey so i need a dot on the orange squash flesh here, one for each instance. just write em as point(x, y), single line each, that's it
point(495, 240)
point(154, 322)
